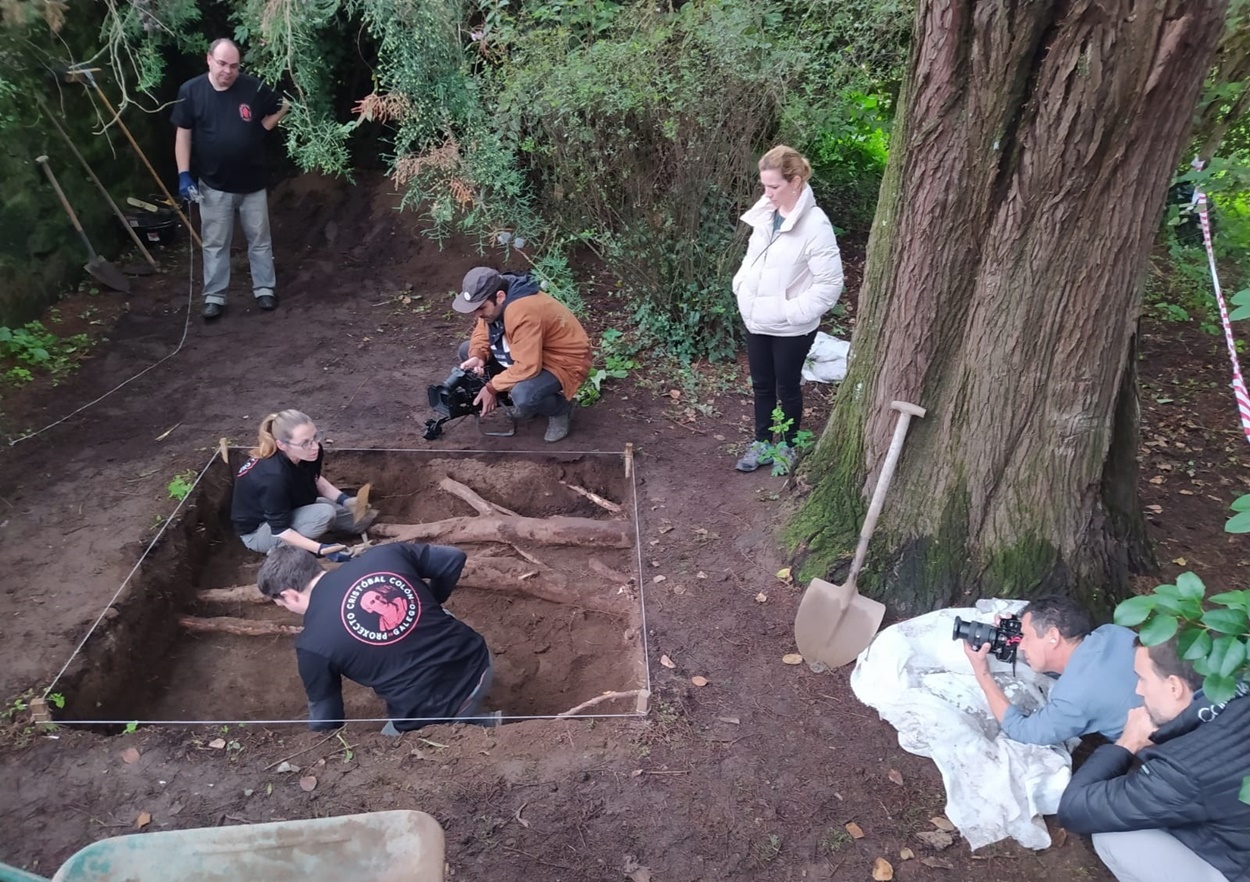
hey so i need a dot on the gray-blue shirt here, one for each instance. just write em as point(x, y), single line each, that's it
point(1094, 693)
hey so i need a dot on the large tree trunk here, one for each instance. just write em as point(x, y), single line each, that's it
point(1034, 145)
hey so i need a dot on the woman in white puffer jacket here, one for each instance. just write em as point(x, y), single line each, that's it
point(790, 277)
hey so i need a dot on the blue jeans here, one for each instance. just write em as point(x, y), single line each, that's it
point(217, 211)
point(538, 396)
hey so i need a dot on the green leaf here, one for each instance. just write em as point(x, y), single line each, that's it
point(1238, 523)
point(1235, 659)
point(1241, 312)
point(1190, 586)
point(1172, 592)
point(1219, 689)
point(1199, 646)
point(1244, 795)
point(1226, 621)
point(1135, 610)
point(1158, 629)
point(1235, 599)
point(1241, 503)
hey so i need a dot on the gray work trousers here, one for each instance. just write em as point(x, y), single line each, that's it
point(217, 211)
point(1152, 856)
point(313, 521)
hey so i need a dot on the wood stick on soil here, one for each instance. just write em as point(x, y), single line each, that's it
point(607, 696)
point(525, 554)
point(500, 574)
point(481, 505)
point(598, 500)
point(543, 531)
point(241, 627)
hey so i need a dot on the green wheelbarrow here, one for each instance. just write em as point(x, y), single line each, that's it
point(400, 846)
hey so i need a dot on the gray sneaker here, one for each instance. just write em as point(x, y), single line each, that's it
point(756, 455)
point(787, 455)
point(558, 426)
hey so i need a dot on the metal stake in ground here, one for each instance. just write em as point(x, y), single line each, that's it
point(834, 623)
point(96, 265)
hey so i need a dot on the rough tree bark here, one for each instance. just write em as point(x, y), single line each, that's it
point(1033, 148)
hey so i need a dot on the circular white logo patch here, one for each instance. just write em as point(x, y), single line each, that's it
point(381, 608)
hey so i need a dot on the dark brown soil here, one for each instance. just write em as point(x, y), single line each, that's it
point(752, 776)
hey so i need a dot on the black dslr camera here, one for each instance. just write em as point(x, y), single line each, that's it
point(1003, 640)
point(454, 398)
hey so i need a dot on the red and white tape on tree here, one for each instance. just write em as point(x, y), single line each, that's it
point(1239, 384)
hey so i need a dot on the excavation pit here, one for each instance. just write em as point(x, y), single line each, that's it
point(150, 659)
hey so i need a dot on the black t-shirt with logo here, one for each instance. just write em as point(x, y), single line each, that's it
point(227, 138)
point(267, 491)
point(378, 620)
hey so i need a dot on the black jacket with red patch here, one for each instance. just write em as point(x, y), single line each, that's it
point(378, 620)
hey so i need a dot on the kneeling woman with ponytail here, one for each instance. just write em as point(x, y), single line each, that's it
point(280, 495)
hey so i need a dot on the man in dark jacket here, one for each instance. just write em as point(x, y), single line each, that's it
point(1176, 816)
point(378, 620)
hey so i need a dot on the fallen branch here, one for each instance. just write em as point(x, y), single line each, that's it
point(525, 554)
point(480, 505)
point(237, 594)
point(607, 696)
point(600, 568)
point(544, 531)
point(483, 573)
point(598, 500)
point(241, 627)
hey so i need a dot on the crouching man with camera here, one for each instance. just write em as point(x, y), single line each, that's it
point(1177, 815)
point(527, 343)
point(1096, 685)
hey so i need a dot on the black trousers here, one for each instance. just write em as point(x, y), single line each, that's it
point(776, 372)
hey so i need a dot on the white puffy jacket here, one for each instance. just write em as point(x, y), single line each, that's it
point(790, 278)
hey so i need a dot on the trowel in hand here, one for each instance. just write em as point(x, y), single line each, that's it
point(834, 623)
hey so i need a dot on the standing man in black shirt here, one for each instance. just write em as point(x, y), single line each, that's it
point(222, 117)
point(378, 621)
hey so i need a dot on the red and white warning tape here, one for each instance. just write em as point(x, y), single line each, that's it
point(1239, 384)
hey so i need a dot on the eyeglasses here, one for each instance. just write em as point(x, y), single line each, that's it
point(307, 444)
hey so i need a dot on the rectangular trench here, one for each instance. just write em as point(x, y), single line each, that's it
point(141, 664)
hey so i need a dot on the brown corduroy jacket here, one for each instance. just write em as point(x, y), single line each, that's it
point(542, 334)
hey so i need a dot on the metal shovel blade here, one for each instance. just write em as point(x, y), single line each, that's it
point(107, 274)
point(834, 624)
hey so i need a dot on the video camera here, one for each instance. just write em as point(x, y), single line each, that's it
point(454, 398)
point(1003, 640)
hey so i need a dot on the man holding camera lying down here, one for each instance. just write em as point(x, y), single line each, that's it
point(527, 343)
point(1096, 686)
point(1162, 801)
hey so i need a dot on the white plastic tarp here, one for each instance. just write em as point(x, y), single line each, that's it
point(918, 679)
point(826, 360)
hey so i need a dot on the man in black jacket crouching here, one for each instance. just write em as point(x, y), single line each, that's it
point(379, 621)
point(1177, 815)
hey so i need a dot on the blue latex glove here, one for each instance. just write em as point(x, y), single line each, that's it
point(186, 187)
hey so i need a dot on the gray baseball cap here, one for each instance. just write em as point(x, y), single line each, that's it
point(479, 283)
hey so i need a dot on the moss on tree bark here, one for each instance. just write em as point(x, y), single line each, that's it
point(1027, 177)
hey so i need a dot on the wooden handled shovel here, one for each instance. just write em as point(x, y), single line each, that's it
point(105, 272)
point(834, 623)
